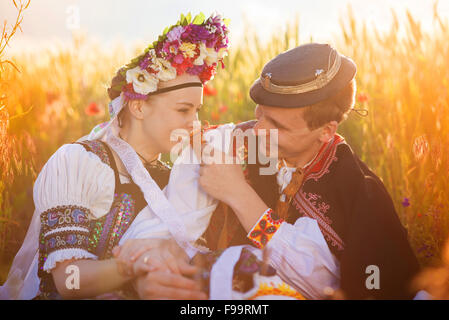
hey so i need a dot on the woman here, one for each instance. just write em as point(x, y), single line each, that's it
point(94, 194)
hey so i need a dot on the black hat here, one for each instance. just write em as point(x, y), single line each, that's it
point(303, 76)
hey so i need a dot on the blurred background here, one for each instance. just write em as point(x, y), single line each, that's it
point(56, 64)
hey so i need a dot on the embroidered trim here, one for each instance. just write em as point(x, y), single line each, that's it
point(66, 240)
point(98, 148)
point(107, 232)
point(265, 228)
point(64, 216)
point(324, 159)
point(307, 205)
point(62, 227)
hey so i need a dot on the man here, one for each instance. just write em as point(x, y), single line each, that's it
point(356, 241)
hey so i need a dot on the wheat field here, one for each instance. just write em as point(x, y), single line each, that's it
point(402, 80)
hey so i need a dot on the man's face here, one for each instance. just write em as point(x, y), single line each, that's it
point(294, 137)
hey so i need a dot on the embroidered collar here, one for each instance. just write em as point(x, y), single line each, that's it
point(321, 163)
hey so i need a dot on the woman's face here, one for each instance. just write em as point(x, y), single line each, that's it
point(172, 110)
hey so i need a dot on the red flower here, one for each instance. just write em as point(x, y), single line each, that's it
point(209, 91)
point(223, 108)
point(182, 67)
point(207, 73)
point(215, 116)
point(362, 97)
point(92, 109)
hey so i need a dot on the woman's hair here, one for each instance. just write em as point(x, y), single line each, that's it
point(116, 80)
point(114, 93)
point(335, 108)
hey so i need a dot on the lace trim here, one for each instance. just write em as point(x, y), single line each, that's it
point(66, 254)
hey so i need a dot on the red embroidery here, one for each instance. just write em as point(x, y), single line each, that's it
point(320, 165)
point(265, 229)
point(311, 206)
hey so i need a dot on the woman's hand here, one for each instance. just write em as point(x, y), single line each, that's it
point(165, 286)
point(164, 258)
point(128, 253)
point(138, 256)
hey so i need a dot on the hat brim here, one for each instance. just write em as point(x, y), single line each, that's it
point(346, 73)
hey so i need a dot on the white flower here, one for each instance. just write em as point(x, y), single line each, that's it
point(203, 54)
point(142, 81)
point(213, 56)
point(166, 70)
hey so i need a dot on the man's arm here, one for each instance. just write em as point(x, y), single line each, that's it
point(299, 252)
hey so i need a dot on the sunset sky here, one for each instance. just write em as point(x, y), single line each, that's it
point(142, 20)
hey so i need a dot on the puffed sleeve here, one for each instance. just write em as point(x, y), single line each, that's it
point(299, 253)
point(73, 188)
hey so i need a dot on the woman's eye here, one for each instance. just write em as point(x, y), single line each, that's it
point(183, 110)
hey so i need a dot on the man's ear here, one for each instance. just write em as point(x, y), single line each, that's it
point(328, 131)
point(136, 108)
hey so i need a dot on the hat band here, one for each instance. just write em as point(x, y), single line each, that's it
point(321, 80)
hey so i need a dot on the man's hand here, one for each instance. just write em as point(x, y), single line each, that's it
point(221, 180)
point(226, 182)
point(166, 286)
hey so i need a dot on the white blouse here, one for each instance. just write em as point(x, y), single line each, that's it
point(74, 176)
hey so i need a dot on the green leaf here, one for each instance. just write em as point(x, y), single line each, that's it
point(166, 30)
point(227, 22)
point(199, 19)
point(189, 18)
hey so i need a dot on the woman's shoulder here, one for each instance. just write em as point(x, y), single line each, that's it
point(76, 176)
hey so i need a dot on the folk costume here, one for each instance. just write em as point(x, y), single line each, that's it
point(84, 206)
point(331, 221)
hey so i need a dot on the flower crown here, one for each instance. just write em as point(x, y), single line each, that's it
point(190, 46)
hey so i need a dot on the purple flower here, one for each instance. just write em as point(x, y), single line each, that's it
point(134, 95)
point(195, 32)
point(179, 58)
point(171, 48)
point(175, 33)
point(145, 62)
point(405, 203)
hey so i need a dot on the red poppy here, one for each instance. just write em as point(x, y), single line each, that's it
point(223, 108)
point(92, 109)
point(362, 97)
point(209, 91)
point(215, 116)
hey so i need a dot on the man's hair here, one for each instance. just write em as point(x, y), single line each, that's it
point(335, 108)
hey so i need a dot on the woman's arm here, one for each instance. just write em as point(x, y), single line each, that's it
point(96, 277)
